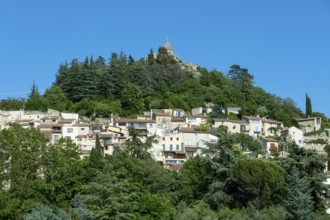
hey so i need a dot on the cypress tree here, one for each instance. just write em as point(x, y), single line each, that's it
point(308, 106)
point(96, 154)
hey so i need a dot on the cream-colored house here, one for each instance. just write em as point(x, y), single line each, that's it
point(234, 126)
point(310, 124)
point(201, 111)
point(271, 127)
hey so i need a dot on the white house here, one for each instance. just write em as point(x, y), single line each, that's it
point(293, 134)
point(268, 145)
point(196, 120)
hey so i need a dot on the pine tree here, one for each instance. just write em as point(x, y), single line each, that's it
point(298, 202)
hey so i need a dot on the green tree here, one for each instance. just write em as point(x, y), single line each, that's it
point(311, 166)
point(55, 98)
point(96, 155)
point(35, 101)
point(257, 181)
point(298, 201)
point(308, 106)
point(132, 100)
point(10, 104)
point(196, 176)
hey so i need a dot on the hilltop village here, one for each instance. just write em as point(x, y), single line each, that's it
point(159, 138)
point(176, 133)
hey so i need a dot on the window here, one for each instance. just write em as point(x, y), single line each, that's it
point(171, 147)
point(121, 124)
point(177, 147)
point(163, 139)
point(55, 138)
point(67, 137)
point(53, 120)
point(69, 130)
point(82, 129)
point(177, 139)
point(190, 154)
point(171, 139)
point(150, 125)
point(79, 139)
point(163, 146)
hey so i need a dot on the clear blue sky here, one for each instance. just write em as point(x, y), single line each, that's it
point(285, 44)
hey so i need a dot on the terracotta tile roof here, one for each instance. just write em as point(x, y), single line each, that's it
point(272, 121)
point(252, 118)
point(162, 114)
point(128, 120)
point(228, 120)
point(188, 130)
point(269, 139)
point(195, 116)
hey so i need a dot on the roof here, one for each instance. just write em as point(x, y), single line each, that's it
point(272, 121)
point(81, 136)
point(252, 118)
point(196, 116)
point(81, 125)
point(128, 120)
point(50, 117)
point(269, 139)
point(228, 120)
point(188, 130)
point(306, 119)
point(162, 114)
point(66, 121)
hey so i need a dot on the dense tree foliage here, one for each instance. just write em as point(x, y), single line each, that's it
point(40, 180)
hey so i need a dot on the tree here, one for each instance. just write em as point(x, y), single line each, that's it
point(298, 201)
point(132, 101)
point(196, 176)
point(308, 106)
point(96, 155)
point(241, 79)
point(55, 98)
point(257, 181)
point(35, 101)
point(311, 166)
point(10, 104)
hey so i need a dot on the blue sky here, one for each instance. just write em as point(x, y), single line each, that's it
point(285, 44)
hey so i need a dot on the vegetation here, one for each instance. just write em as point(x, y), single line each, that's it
point(126, 86)
point(39, 180)
point(49, 181)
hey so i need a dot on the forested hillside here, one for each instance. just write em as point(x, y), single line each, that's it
point(43, 180)
point(123, 86)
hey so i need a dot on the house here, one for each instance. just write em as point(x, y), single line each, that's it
point(163, 120)
point(194, 141)
point(201, 111)
point(197, 120)
point(310, 124)
point(173, 150)
point(271, 127)
point(293, 134)
point(268, 145)
point(234, 126)
point(255, 124)
point(144, 127)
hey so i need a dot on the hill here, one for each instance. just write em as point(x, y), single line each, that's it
point(125, 86)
